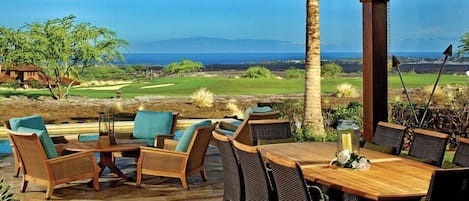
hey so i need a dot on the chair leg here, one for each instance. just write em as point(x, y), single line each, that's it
point(24, 185)
point(203, 175)
point(17, 170)
point(138, 180)
point(50, 190)
point(185, 185)
point(96, 183)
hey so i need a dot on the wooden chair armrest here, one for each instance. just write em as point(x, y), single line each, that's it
point(60, 148)
point(73, 164)
point(161, 160)
point(160, 139)
point(170, 144)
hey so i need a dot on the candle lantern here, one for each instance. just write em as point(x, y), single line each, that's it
point(348, 136)
point(106, 128)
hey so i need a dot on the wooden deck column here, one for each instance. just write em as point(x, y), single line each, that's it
point(375, 80)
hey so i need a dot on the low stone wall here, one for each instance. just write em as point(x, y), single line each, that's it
point(72, 130)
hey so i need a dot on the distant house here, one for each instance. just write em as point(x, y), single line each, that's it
point(28, 76)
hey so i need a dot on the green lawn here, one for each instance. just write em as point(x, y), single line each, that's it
point(185, 86)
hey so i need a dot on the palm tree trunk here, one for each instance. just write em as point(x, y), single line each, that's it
point(312, 102)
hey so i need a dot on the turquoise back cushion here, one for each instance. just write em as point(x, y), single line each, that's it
point(45, 140)
point(256, 110)
point(148, 124)
point(186, 137)
point(34, 121)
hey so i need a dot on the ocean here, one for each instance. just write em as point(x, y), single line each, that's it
point(248, 58)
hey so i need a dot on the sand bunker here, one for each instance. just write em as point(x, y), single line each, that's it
point(157, 86)
point(115, 87)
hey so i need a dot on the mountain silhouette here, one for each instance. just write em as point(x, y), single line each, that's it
point(207, 44)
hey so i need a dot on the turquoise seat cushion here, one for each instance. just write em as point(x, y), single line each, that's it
point(380, 148)
point(225, 132)
point(148, 124)
point(231, 126)
point(34, 121)
point(257, 110)
point(45, 140)
point(186, 137)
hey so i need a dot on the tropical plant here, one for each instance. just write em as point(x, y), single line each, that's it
point(61, 48)
point(185, 66)
point(257, 72)
point(5, 191)
point(202, 98)
point(312, 105)
point(463, 48)
point(346, 90)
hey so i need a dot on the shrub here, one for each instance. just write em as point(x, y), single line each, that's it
point(257, 72)
point(11, 84)
point(185, 66)
point(346, 91)
point(234, 109)
point(202, 98)
point(353, 111)
point(6, 191)
point(294, 73)
point(331, 70)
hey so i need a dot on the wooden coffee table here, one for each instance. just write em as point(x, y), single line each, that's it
point(105, 152)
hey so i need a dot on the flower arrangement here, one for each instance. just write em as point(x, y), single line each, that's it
point(350, 160)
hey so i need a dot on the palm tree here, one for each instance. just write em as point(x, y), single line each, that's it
point(312, 101)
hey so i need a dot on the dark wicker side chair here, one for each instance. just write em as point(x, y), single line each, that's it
point(449, 184)
point(269, 131)
point(232, 174)
point(289, 182)
point(257, 182)
point(461, 156)
point(389, 135)
point(428, 146)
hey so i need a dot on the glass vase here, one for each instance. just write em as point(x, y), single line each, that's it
point(348, 136)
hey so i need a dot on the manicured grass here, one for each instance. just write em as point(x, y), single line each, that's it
point(185, 86)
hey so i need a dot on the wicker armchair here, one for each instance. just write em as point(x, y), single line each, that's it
point(51, 172)
point(270, 131)
point(232, 173)
point(257, 182)
point(388, 135)
point(461, 156)
point(289, 181)
point(449, 184)
point(428, 146)
point(170, 163)
point(242, 133)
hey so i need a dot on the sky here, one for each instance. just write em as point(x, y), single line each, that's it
point(415, 25)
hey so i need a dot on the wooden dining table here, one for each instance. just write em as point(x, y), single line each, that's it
point(389, 177)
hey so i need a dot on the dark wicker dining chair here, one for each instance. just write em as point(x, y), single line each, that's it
point(389, 134)
point(290, 184)
point(270, 131)
point(461, 156)
point(232, 174)
point(257, 182)
point(449, 184)
point(428, 146)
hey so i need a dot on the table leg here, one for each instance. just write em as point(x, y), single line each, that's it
point(105, 160)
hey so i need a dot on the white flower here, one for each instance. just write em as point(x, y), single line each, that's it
point(363, 164)
point(355, 165)
point(343, 156)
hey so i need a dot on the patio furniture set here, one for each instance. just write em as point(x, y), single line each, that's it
point(42, 162)
point(302, 171)
point(259, 158)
